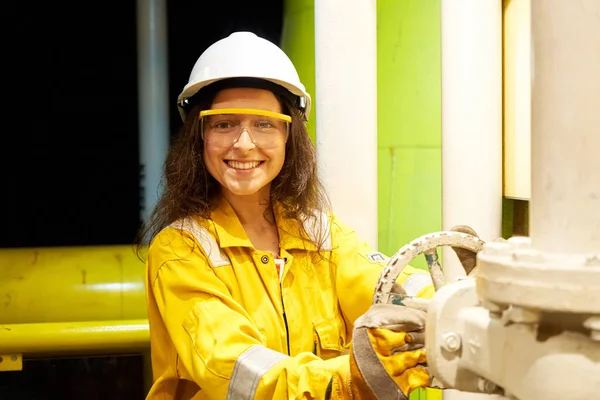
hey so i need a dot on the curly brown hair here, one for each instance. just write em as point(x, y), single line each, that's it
point(189, 189)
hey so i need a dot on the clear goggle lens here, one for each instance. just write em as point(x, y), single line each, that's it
point(223, 127)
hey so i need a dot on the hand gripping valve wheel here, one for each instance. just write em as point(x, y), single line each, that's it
point(522, 325)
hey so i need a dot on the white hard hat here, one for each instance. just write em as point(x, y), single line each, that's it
point(245, 55)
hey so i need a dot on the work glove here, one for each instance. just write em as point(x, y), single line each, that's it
point(467, 258)
point(387, 357)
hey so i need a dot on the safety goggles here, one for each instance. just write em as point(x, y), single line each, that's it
point(223, 127)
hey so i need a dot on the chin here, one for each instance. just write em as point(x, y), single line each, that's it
point(246, 191)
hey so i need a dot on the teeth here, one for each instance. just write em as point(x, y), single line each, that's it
point(243, 165)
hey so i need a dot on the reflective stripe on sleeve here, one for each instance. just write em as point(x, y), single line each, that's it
point(249, 369)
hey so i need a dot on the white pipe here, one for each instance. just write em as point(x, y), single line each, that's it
point(471, 119)
point(346, 104)
point(565, 204)
point(152, 98)
point(517, 99)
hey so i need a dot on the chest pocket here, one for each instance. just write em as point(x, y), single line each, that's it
point(328, 340)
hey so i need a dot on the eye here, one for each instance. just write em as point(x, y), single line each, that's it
point(264, 124)
point(222, 125)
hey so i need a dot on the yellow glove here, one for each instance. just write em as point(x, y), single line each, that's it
point(387, 359)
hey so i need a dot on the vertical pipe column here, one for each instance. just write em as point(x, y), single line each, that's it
point(471, 119)
point(565, 204)
point(517, 98)
point(346, 89)
point(152, 98)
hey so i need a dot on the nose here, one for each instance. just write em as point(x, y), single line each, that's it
point(244, 141)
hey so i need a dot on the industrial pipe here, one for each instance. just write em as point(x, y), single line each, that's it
point(64, 338)
point(471, 120)
point(565, 126)
point(346, 87)
point(506, 332)
point(517, 98)
point(153, 94)
point(62, 284)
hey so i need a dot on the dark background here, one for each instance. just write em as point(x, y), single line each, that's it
point(70, 161)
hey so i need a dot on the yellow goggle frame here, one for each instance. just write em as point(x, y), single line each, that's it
point(246, 111)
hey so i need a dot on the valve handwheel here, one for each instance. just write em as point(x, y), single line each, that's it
point(460, 238)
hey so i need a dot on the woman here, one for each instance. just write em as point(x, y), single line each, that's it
point(253, 286)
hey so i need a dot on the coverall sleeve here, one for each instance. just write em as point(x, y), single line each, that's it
point(215, 338)
point(358, 268)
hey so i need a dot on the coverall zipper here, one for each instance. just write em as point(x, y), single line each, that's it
point(280, 279)
point(287, 332)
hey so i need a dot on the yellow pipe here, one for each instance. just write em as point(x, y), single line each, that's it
point(60, 284)
point(61, 338)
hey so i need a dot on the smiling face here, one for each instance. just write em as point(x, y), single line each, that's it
point(243, 169)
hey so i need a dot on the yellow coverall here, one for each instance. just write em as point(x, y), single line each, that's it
point(223, 325)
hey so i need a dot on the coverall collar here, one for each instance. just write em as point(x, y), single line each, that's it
point(231, 233)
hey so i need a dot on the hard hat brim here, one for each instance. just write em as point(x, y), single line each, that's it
point(192, 89)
